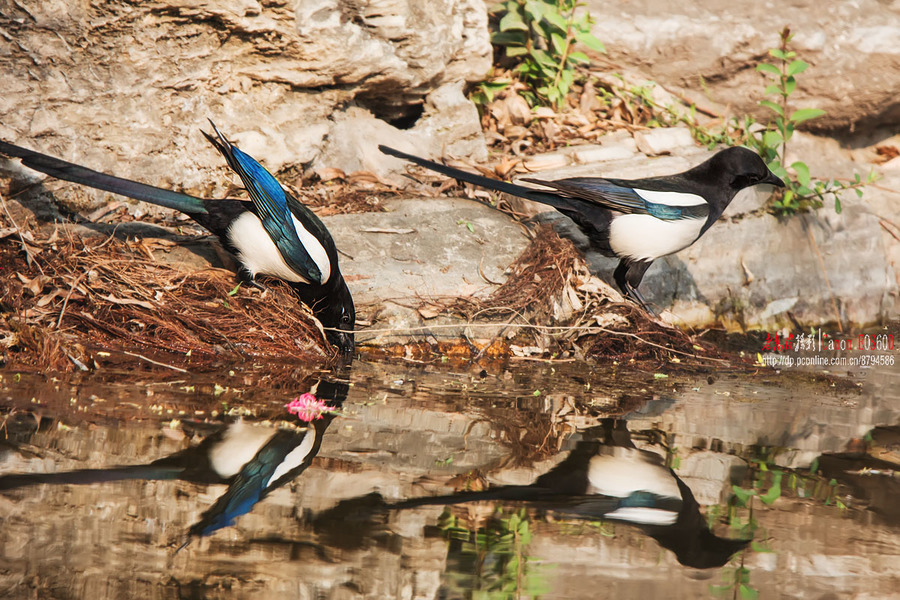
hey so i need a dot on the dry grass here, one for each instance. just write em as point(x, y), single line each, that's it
point(551, 306)
point(65, 298)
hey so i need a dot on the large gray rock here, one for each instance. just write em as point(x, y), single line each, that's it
point(712, 48)
point(124, 88)
point(423, 249)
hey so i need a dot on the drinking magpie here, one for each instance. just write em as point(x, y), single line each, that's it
point(639, 220)
point(272, 234)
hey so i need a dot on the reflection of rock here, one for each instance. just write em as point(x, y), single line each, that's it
point(852, 48)
point(145, 77)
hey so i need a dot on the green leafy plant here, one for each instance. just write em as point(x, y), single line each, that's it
point(541, 35)
point(492, 561)
point(801, 193)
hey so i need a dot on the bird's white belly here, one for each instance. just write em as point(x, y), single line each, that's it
point(259, 254)
point(239, 445)
point(642, 237)
point(627, 472)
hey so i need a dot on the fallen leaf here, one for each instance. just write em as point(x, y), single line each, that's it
point(128, 301)
point(35, 285)
point(330, 174)
point(50, 297)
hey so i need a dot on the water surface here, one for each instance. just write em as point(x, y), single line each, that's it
point(441, 482)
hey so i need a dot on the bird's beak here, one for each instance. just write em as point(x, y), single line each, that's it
point(773, 179)
point(343, 340)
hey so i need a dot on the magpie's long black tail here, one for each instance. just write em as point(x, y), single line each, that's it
point(88, 476)
point(101, 181)
point(553, 200)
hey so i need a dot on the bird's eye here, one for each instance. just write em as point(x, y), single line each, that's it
point(345, 318)
point(742, 181)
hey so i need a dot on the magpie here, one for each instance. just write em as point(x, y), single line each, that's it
point(604, 477)
point(272, 234)
point(639, 220)
point(253, 460)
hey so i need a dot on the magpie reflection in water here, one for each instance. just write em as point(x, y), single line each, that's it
point(605, 477)
point(253, 461)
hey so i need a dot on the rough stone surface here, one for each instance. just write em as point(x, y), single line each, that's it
point(423, 248)
point(711, 50)
point(124, 87)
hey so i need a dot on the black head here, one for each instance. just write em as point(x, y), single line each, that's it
point(337, 314)
point(741, 168)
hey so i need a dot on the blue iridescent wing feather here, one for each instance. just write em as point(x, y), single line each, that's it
point(621, 198)
point(271, 203)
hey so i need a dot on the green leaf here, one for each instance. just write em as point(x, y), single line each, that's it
point(588, 39)
point(235, 290)
point(776, 108)
point(837, 203)
point(742, 495)
point(805, 114)
point(513, 20)
point(798, 66)
point(802, 173)
point(559, 43)
point(777, 53)
point(774, 492)
point(513, 51)
point(790, 85)
point(859, 193)
point(748, 593)
point(579, 57)
point(535, 10)
point(557, 20)
point(772, 139)
point(767, 68)
point(509, 38)
point(771, 90)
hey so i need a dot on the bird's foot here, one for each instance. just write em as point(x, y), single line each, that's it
point(248, 280)
point(638, 298)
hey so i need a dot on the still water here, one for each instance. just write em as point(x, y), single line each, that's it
point(530, 480)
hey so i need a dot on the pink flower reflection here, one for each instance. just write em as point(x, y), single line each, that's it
point(308, 408)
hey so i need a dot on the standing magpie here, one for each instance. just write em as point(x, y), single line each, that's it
point(273, 234)
point(639, 220)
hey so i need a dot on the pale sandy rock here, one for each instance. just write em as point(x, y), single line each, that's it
point(712, 48)
point(126, 88)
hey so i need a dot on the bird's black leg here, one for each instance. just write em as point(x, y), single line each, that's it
point(246, 277)
point(628, 277)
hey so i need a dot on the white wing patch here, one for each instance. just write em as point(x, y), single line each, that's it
point(259, 254)
point(295, 457)
point(670, 198)
point(644, 237)
point(644, 516)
